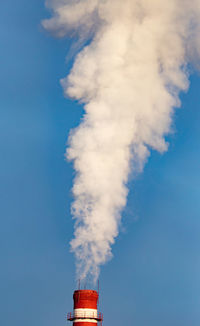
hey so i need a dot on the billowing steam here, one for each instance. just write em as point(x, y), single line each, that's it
point(128, 75)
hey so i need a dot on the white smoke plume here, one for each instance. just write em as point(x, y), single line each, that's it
point(129, 75)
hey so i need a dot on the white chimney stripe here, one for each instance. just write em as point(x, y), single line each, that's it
point(85, 312)
point(85, 321)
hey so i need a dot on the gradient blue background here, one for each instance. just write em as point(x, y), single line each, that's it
point(153, 279)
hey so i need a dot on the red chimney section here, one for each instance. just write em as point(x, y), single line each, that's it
point(85, 309)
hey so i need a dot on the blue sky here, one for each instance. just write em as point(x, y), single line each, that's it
point(153, 278)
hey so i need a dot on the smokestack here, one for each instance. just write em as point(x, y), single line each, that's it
point(85, 309)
